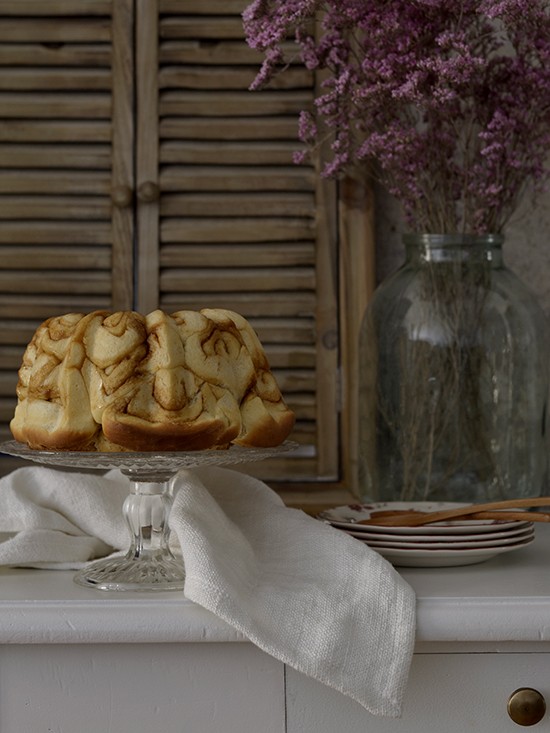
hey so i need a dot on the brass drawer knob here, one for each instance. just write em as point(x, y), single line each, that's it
point(526, 706)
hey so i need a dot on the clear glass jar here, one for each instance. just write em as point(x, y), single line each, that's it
point(454, 377)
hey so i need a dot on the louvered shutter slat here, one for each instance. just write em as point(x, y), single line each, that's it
point(55, 79)
point(60, 8)
point(20, 232)
point(284, 204)
point(222, 103)
point(48, 182)
point(46, 30)
point(52, 281)
point(219, 152)
point(39, 105)
point(68, 55)
point(192, 255)
point(249, 304)
point(277, 127)
point(54, 207)
point(46, 132)
point(38, 308)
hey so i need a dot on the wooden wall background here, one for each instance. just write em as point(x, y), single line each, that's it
point(138, 171)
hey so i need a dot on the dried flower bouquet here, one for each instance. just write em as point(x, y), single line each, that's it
point(449, 102)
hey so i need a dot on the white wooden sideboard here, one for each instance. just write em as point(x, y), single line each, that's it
point(74, 660)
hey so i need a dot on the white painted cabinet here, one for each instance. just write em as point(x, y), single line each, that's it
point(74, 660)
point(235, 688)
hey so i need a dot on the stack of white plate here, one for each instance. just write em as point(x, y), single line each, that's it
point(460, 542)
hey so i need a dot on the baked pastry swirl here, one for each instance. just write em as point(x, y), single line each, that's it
point(126, 382)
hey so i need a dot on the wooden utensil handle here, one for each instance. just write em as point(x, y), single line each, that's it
point(417, 518)
point(521, 516)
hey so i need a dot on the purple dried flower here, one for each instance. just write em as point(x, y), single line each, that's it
point(450, 102)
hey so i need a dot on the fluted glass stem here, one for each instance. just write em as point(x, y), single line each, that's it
point(149, 563)
point(146, 510)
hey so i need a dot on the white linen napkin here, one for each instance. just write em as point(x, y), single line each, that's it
point(307, 594)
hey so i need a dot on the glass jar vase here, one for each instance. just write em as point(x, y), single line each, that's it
point(454, 377)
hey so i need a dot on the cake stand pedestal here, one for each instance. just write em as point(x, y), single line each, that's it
point(149, 564)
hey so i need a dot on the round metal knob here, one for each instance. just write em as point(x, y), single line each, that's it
point(121, 196)
point(526, 706)
point(148, 192)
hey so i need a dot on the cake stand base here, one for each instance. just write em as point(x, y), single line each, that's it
point(149, 564)
point(133, 574)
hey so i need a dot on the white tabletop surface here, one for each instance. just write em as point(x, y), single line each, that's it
point(504, 599)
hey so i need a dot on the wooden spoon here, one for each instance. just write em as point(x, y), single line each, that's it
point(416, 518)
point(511, 516)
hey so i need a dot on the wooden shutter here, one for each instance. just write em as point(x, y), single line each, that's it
point(226, 219)
point(66, 151)
point(222, 215)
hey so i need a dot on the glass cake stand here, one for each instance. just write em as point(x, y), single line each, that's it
point(149, 564)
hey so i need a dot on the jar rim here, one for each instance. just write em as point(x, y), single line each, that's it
point(453, 240)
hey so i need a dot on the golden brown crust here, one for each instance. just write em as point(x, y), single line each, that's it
point(139, 435)
point(122, 381)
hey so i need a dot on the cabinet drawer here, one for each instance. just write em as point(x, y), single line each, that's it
point(450, 693)
point(137, 688)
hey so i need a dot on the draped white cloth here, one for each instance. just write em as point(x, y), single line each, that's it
point(304, 592)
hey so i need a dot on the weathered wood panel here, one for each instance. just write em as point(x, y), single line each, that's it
point(76, 105)
point(250, 305)
point(48, 258)
point(47, 232)
point(221, 152)
point(48, 182)
point(123, 147)
point(52, 156)
point(63, 208)
point(55, 7)
point(49, 30)
point(40, 307)
point(200, 7)
point(147, 154)
point(237, 127)
point(214, 279)
point(237, 178)
point(236, 229)
point(23, 80)
point(223, 77)
point(231, 104)
point(69, 55)
point(45, 131)
point(189, 26)
point(68, 281)
point(197, 53)
point(285, 254)
point(220, 204)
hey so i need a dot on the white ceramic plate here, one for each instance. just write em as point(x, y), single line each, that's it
point(347, 517)
point(429, 539)
point(450, 545)
point(445, 558)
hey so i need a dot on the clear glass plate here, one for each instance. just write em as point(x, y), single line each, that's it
point(146, 461)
